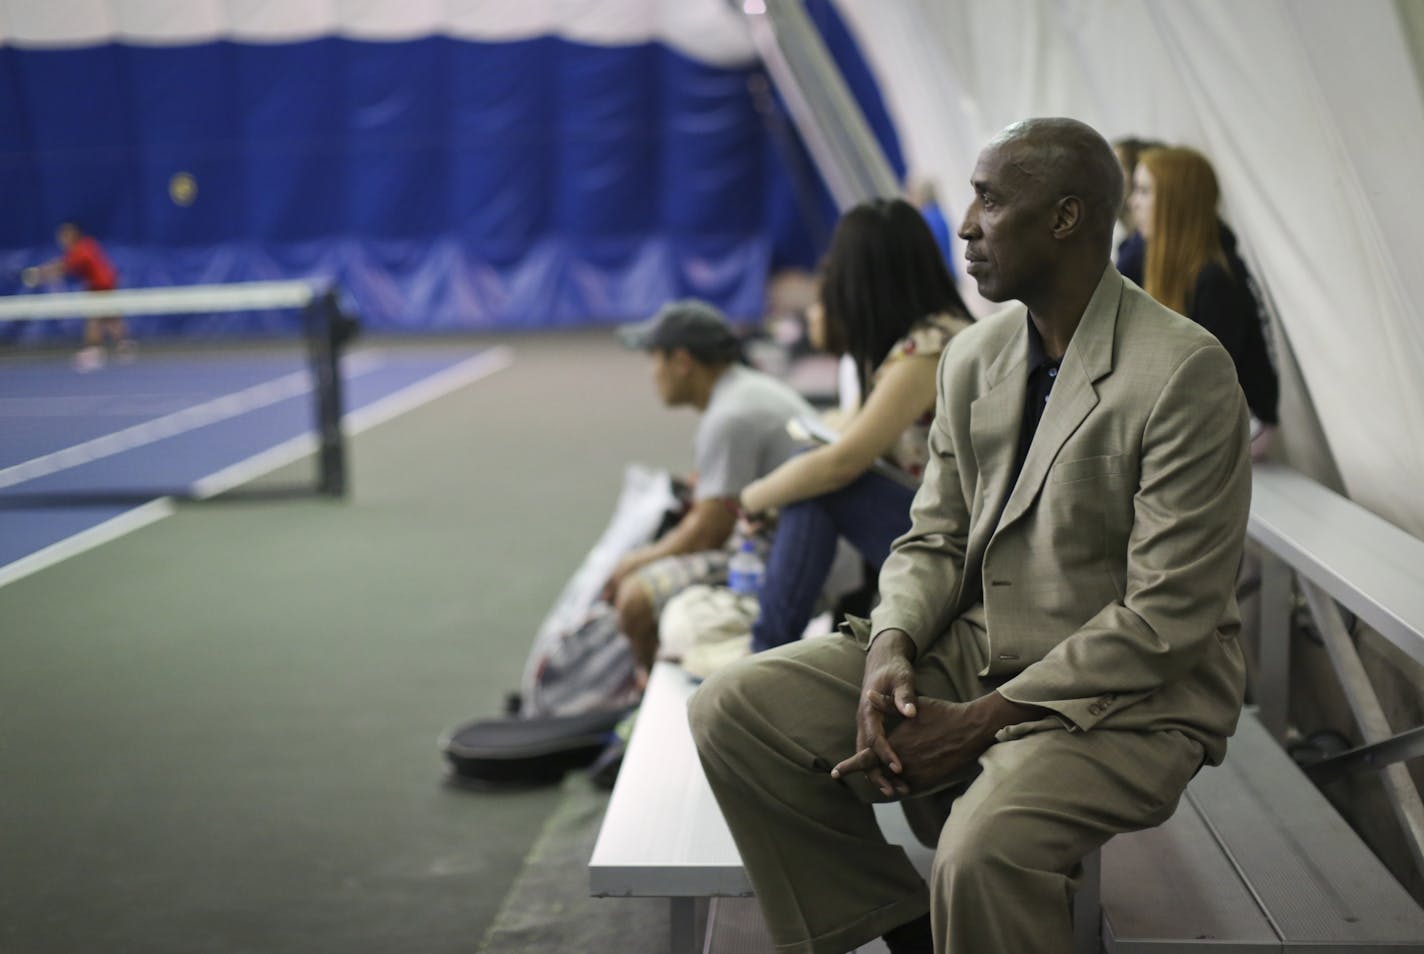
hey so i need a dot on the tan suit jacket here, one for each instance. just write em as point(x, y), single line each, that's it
point(1106, 591)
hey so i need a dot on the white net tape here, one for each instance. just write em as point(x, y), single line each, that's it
point(191, 299)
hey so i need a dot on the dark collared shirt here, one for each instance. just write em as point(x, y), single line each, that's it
point(1042, 372)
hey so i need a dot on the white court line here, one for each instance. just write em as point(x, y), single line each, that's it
point(392, 405)
point(409, 398)
point(170, 425)
point(124, 523)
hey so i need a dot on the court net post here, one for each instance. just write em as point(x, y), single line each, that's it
point(328, 329)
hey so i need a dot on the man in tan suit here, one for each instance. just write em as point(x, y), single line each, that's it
point(1060, 617)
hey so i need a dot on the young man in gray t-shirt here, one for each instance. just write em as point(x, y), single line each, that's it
point(742, 436)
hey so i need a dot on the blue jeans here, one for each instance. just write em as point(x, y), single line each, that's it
point(870, 512)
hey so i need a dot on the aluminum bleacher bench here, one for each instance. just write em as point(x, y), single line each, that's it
point(663, 835)
point(1255, 859)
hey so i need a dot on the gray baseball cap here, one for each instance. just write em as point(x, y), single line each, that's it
point(690, 323)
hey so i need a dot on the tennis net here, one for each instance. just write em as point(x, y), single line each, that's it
point(326, 329)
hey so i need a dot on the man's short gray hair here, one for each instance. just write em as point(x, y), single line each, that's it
point(1070, 158)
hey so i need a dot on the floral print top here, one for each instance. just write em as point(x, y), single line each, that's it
point(926, 338)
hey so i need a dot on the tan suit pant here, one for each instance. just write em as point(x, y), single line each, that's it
point(768, 730)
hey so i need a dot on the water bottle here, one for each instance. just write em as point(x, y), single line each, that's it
point(745, 569)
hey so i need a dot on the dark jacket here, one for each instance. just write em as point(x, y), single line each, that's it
point(1223, 301)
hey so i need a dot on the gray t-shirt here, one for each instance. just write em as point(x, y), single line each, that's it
point(742, 434)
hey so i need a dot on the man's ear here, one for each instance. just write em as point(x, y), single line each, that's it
point(1068, 216)
point(682, 360)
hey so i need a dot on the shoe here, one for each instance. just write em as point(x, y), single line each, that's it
point(126, 351)
point(604, 770)
point(88, 359)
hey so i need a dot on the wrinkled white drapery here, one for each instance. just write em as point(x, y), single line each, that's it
point(1310, 112)
point(706, 30)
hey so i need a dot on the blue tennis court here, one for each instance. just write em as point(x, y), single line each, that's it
point(79, 452)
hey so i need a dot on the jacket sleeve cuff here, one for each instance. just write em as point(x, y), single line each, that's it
point(1080, 715)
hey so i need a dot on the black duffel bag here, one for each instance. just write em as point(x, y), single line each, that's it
point(537, 751)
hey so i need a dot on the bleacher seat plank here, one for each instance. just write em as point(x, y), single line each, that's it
point(1171, 889)
point(663, 834)
point(1317, 880)
point(1368, 564)
point(1254, 859)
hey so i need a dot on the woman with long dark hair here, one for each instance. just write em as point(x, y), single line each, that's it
point(888, 302)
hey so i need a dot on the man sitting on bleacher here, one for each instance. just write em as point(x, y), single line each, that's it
point(1060, 618)
point(742, 435)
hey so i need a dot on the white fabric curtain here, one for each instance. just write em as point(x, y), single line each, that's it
point(708, 30)
point(1310, 112)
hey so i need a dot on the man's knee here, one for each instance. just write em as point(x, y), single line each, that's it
point(974, 851)
point(632, 602)
point(706, 710)
point(717, 705)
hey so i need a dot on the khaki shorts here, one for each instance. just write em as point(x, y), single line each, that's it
point(663, 579)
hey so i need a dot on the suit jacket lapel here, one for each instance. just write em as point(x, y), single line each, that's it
point(1089, 358)
point(995, 418)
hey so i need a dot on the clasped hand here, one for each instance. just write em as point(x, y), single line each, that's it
point(931, 739)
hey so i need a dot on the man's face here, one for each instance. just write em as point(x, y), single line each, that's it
point(1142, 199)
point(670, 376)
point(1008, 228)
point(65, 236)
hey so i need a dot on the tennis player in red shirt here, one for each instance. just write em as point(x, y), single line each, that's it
point(85, 261)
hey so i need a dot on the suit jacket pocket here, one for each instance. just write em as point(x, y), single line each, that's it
point(1086, 468)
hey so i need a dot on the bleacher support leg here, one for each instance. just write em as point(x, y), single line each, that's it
point(1274, 645)
point(683, 924)
point(1399, 787)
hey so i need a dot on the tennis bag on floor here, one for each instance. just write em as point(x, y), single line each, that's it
point(589, 672)
point(579, 662)
point(579, 680)
point(515, 751)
